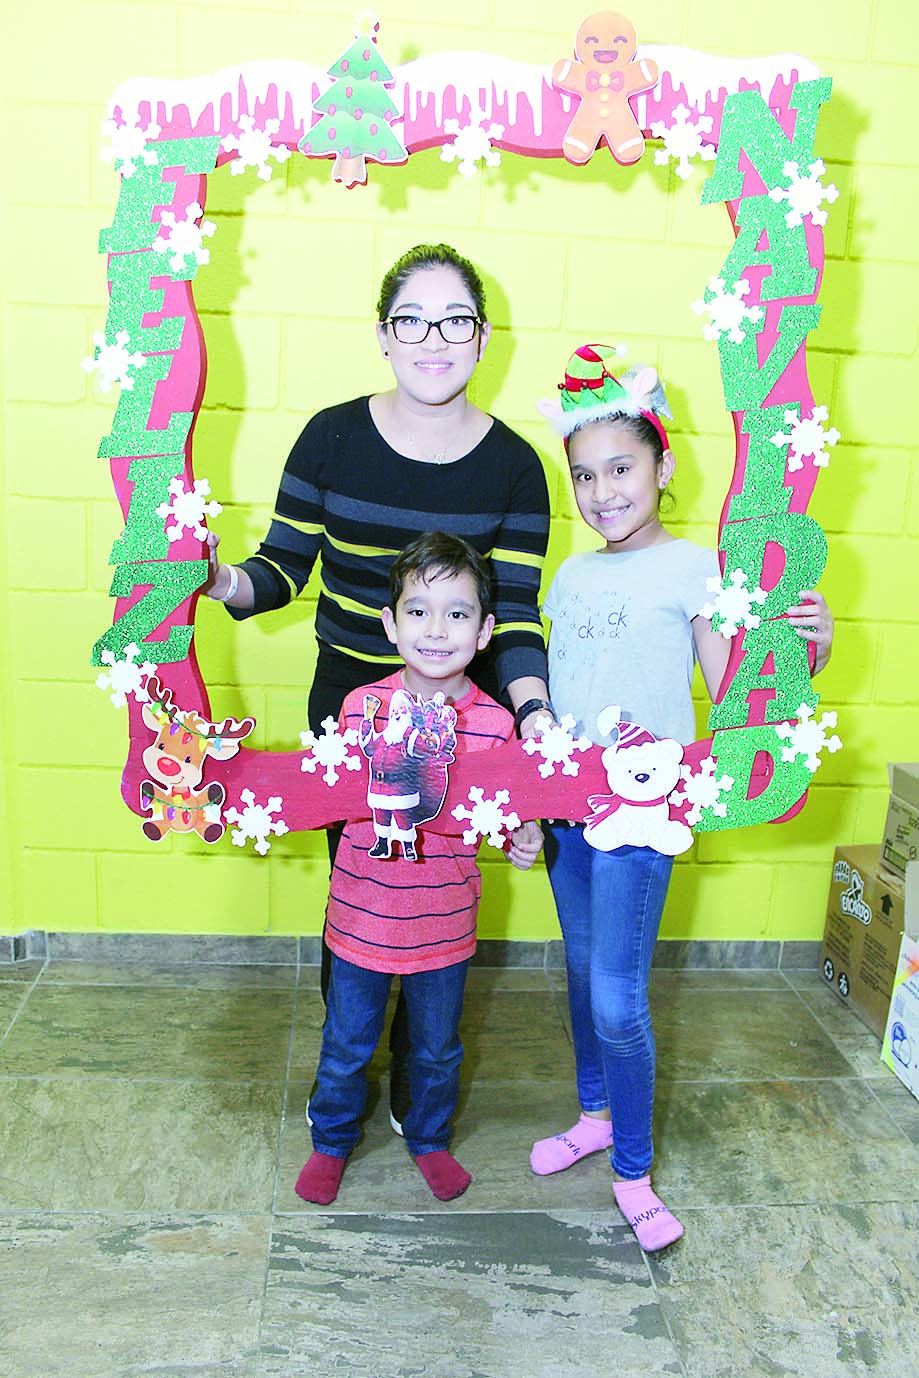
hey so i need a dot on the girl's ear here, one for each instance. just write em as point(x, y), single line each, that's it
point(665, 469)
point(389, 623)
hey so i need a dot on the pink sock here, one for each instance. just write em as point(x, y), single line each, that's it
point(443, 1174)
point(589, 1135)
point(319, 1178)
point(647, 1214)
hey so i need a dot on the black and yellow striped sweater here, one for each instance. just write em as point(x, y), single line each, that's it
point(349, 498)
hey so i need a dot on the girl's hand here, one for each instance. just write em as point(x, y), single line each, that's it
point(812, 620)
point(524, 846)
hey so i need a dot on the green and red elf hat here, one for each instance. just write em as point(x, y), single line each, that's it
point(591, 392)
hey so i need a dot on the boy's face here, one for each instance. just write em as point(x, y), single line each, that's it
point(438, 627)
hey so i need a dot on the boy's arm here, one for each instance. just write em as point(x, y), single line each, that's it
point(811, 619)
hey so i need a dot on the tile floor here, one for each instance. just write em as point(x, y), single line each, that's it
point(152, 1127)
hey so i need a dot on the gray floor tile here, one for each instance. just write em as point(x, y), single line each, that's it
point(110, 1297)
point(711, 1035)
point(763, 1143)
point(88, 1144)
point(860, 1045)
point(901, 1105)
point(126, 1031)
point(21, 973)
point(804, 1291)
point(188, 975)
point(12, 1001)
point(466, 1296)
point(514, 1034)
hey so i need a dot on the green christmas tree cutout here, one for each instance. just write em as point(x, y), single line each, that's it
point(356, 114)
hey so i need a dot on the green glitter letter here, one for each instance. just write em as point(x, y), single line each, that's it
point(746, 384)
point(144, 537)
point(129, 434)
point(132, 297)
point(763, 491)
point(142, 193)
point(789, 677)
point(749, 125)
point(735, 751)
point(801, 538)
point(171, 582)
point(792, 274)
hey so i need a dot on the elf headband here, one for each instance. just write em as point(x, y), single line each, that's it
point(591, 392)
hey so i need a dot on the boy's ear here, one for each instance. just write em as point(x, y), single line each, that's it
point(389, 623)
point(485, 631)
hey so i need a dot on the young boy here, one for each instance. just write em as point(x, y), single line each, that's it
point(409, 910)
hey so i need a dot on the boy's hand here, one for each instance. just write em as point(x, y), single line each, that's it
point(812, 620)
point(524, 846)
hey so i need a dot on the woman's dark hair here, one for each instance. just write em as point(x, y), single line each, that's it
point(436, 555)
point(429, 256)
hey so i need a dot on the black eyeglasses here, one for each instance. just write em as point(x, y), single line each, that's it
point(415, 330)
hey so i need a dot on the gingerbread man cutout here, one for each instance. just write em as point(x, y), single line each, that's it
point(604, 76)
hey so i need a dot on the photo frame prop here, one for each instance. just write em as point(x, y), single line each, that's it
point(753, 120)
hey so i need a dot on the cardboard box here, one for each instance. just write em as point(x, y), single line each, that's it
point(861, 937)
point(900, 844)
point(901, 1040)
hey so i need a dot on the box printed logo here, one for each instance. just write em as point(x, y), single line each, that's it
point(851, 902)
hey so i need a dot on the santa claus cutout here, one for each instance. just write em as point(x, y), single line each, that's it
point(408, 767)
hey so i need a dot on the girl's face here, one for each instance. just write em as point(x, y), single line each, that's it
point(433, 372)
point(617, 484)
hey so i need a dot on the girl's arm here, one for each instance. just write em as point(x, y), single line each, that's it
point(811, 619)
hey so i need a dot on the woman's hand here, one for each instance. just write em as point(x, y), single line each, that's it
point(812, 620)
point(524, 846)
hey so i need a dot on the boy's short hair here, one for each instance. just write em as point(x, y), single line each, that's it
point(436, 555)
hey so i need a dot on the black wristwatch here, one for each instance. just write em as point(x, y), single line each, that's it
point(532, 706)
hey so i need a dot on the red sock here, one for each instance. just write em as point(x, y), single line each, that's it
point(443, 1174)
point(319, 1178)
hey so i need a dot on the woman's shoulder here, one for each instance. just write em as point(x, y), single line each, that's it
point(511, 443)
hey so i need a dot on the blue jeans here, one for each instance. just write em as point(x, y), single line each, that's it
point(353, 1024)
point(609, 906)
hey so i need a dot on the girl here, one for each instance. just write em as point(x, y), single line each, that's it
point(625, 626)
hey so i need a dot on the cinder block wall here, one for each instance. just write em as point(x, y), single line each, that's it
point(600, 253)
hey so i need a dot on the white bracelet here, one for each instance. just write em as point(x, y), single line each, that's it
point(233, 586)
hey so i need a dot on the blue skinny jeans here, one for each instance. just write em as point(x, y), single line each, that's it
point(609, 907)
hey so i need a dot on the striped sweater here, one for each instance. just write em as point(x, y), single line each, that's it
point(347, 497)
point(403, 916)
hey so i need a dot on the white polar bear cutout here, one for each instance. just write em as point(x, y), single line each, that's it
point(641, 775)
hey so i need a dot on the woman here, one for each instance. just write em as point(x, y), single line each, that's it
point(368, 476)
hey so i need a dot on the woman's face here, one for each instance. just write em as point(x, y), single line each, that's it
point(433, 372)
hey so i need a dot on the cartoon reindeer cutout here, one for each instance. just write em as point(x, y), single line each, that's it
point(175, 759)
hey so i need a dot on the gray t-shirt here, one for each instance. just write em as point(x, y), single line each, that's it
point(621, 635)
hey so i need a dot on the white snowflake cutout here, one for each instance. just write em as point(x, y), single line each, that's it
point(682, 140)
point(805, 193)
point(188, 508)
point(487, 817)
point(255, 822)
point(128, 145)
point(472, 143)
point(254, 147)
point(330, 750)
point(808, 737)
point(703, 790)
point(125, 676)
point(557, 746)
point(807, 438)
point(733, 604)
point(726, 310)
point(111, 362)
point(183, 240)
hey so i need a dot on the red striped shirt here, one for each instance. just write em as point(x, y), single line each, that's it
point(402, 916)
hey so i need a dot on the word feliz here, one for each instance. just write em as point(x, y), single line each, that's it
point(765, 532)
